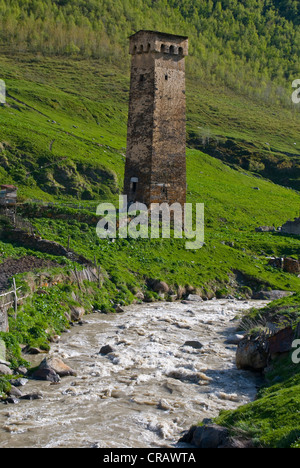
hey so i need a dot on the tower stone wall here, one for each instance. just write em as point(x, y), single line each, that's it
point(155, 169)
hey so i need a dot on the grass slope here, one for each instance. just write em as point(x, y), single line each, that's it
point(82, 153)
point(63, 137)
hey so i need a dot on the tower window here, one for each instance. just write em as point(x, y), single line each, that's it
point(172, 49)
point(163, 48)
point(180, 51)
point(142, 78)
point(134, 184)
point(166, 77)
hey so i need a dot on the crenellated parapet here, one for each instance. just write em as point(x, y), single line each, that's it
point(144, 42)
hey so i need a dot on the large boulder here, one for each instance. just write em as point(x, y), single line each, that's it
point(160, 287)
point(62, 369)
point(140, 296)
point(51, 369)
point(252, 354)
point(281, 342)
point(194, 298)
point(5, 370)
point(48, 375)
point(207, 436)
point(271, 295)
point(77, 313)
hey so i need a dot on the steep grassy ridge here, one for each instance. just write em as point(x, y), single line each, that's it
point(63, 133)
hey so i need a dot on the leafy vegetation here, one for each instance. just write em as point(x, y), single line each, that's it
point(249, 45)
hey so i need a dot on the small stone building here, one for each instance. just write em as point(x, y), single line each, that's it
point(290, 265)
point(291, 227)
point(155, 169)
point(8, 195)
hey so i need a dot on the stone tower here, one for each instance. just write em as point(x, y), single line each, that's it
point(155, 170)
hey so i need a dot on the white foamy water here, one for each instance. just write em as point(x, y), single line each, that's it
point(147, 391)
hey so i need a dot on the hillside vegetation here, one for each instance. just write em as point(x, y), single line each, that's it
point(246, 44)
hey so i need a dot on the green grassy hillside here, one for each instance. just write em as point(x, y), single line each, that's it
point(63, 138)
point(68, 117)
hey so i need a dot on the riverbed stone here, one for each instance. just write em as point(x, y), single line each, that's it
point(11, 400)
point(18, 382)
point(33, 350)
point(48, 375)
point(118, 309)
point(140, 296)
point(234, 339)
point(207, 436)
point(32, 397)
point(21, 370)
point(77, 313)
point(5, 370)
point(107, 349)
point(194, 298)
point(14, 392)
point(194, 344)
point(251, 354)
point(58, 366)
point(271, 295)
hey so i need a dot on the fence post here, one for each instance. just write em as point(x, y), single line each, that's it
point(77, 277)
point(16, 298)
point(99, 276)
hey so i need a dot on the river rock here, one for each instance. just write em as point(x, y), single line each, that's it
point(140, 296)
point(22, 370)
point(18, 382)
point(5, 370)
point(32, 397)
point(234, 339)
point(194, 298)
point(118, 309)
point(271, 295)
point(194, 344)
point(77, 313)
point(14, 392)
point(11, 400)
point(160, 287)
point(33, 350)
point(46, 374)
point(58, 366)
point(251, 354)
point(207, 436)
point(107, 349)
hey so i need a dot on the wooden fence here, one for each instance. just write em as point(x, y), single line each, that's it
point(12, 298)
point(7, 300)
point(66, 205)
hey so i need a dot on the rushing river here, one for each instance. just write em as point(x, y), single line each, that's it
point(145, 393)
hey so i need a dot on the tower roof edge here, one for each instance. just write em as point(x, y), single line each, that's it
point(158, 33)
